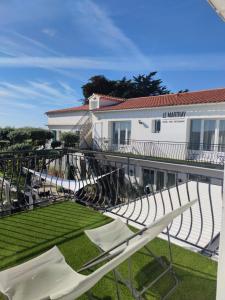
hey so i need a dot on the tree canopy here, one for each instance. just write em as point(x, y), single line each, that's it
point(138, 86)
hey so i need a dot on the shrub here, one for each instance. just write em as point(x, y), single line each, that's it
point(4, 144)
point(55, 144)
point(18, 136)
point(70, 139)
point(40, 136)
point(20, 147)
point(4, 132)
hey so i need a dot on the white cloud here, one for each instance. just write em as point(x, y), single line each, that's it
point(32, 94)
point(195, 62)
point(49, 31)
point(25, 52)
point(98, 24)
point(15, 44)
point(88, 63)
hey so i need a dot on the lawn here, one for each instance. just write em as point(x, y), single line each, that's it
point(27, 234)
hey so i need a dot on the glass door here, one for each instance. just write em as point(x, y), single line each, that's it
point(121, 132)
point(159, 180)
point(148, 180)
point(209, 135)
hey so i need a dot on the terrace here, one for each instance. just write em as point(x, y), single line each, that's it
point(201, 154)
point(41, 207)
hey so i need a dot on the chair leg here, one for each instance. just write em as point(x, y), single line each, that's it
point(130, 275)
point(168, 269)
point(172, 270)
point(128, 284)
point(116, 283)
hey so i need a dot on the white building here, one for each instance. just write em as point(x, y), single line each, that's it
point(174, 126)
point(77, 118)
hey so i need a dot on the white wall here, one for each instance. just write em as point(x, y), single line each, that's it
point(172, 129)
point(66, 118)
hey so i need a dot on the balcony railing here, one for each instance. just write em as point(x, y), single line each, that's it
point(117, 188)
point(213, 154)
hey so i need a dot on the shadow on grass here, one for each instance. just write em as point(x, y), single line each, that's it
point(192, 284)
point(35, 241)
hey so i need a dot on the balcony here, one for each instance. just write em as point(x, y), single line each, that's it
point(197, 154)
point(49, 198)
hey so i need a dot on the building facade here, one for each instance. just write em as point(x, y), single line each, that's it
point(185, 126)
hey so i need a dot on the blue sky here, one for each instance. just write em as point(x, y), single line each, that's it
point(50, 48)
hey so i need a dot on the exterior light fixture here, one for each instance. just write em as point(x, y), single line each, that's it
point(219, 6)
point(140, 122)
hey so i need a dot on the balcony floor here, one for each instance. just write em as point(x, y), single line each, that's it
point(27, 234)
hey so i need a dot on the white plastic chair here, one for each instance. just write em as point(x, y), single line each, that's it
point(48, 276)
point(110, 239)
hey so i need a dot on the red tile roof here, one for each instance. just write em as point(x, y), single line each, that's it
point(75, 108)
point(199, 97)
point(110, 98)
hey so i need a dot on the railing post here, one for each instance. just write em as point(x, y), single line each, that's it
point(220, 290)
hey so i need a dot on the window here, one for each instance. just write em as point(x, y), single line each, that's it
point(221, 143)
point(209, 135)
point(171, 179)
point(59, 135)
point(121, 133)
point(159, 180)
point(195, 134)
point(54, 133)
point(156, 126)
point(148, 177)
point(148, 180)
point(93, 104)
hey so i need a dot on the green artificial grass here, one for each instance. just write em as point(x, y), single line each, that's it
point(25, 235)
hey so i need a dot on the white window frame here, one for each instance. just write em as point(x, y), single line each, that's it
point(127, 141)
point(217, 128)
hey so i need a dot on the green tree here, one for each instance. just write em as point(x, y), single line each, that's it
point(183, 91)
point(147, 85)
point(98, 84)
point(138, 86)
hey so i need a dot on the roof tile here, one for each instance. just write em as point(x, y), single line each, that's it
point(199, 97)
point(75, 108)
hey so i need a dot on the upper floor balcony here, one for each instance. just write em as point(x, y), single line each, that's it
point(202, 154)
